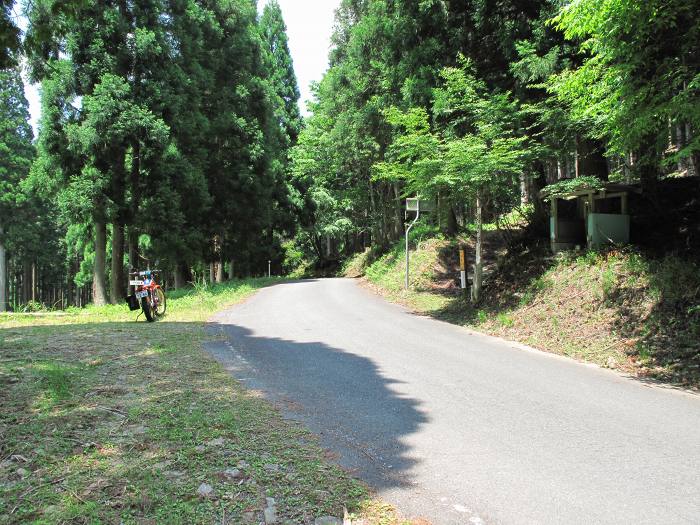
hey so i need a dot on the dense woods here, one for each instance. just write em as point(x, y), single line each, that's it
point(163, 141)
point(479, 104)
point(171, 135)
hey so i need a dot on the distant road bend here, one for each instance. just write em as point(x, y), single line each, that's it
point(464, 429)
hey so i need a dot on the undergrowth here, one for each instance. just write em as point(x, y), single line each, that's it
point(617, 308)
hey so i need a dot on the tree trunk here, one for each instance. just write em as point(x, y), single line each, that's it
point(3, 274)
point(26, 281)
point(537, 183)
point(212, 273)
point(398, 205)
point(220, 272)
point(647, 165)
point(385, 235)
point(178, 276)
point(98, 282)
point(34, 282)
point(117, 288)
point(373, 214)
point(135, 189)
point(524, 190)
point(679, 144)
point(478, 267)
point(693, 159)
point(451, 219)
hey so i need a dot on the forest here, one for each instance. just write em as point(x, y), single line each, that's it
point(163, 142)
point(171, 136)
point(480, 104)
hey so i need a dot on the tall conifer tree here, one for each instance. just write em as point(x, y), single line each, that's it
point(284, 79)
point(16, 153)
point(9, 34)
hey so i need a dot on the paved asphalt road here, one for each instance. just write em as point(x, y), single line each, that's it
point(462, 428)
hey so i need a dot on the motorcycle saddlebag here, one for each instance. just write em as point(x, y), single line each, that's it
point(133, 302)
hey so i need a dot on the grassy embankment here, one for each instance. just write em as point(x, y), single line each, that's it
point(104, 420)
point(618, 309)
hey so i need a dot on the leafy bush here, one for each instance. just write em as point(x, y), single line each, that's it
point(293, 258)
point(34, 306)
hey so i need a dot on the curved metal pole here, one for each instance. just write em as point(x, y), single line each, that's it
point(407, 231)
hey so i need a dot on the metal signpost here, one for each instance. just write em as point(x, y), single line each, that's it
point(462, 269)
point(416, 205)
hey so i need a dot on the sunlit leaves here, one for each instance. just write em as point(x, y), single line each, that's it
point(640, 60)
point(474, 147)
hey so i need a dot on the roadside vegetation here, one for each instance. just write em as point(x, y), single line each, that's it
point(106, 420)
point(475, 106)
point(617, 308)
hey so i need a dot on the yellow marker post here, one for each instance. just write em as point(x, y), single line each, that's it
point(462, 268)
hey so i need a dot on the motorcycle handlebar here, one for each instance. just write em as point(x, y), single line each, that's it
point(143, 272)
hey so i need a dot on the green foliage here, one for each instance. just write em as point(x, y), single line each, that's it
point(16, 150)
point(208, 155)
point(608, 282)
point(566, 187)
point(9, 34)
point(33, 306)
point(55, 378)
point(274, 32)
point(415, 156)
point(505, 320)
point(640, 71)
point(474, 150)
point(192, 154)
point(293, 257)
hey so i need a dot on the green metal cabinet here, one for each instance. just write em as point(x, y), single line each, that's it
point(607, 228)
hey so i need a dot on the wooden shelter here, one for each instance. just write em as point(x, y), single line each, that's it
point(590, 217)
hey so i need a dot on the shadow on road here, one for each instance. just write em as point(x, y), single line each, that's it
point(342, 397)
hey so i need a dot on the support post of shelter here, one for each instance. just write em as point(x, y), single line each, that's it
point(555, 222)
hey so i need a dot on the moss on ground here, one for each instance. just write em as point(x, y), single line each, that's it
point(104, 420)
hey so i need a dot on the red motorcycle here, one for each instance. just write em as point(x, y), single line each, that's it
point(148, 295)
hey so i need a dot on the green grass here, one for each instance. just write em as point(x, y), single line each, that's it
point(106, 420)
point(387, 273)
point(614, 308)
point(505, 320)
point(55, 379)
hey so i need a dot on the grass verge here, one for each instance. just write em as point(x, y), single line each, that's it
point(104, 420)
point(618, 309)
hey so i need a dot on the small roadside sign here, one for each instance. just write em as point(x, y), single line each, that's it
point(419, 205)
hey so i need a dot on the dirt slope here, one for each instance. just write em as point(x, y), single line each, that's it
point(618, 309)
